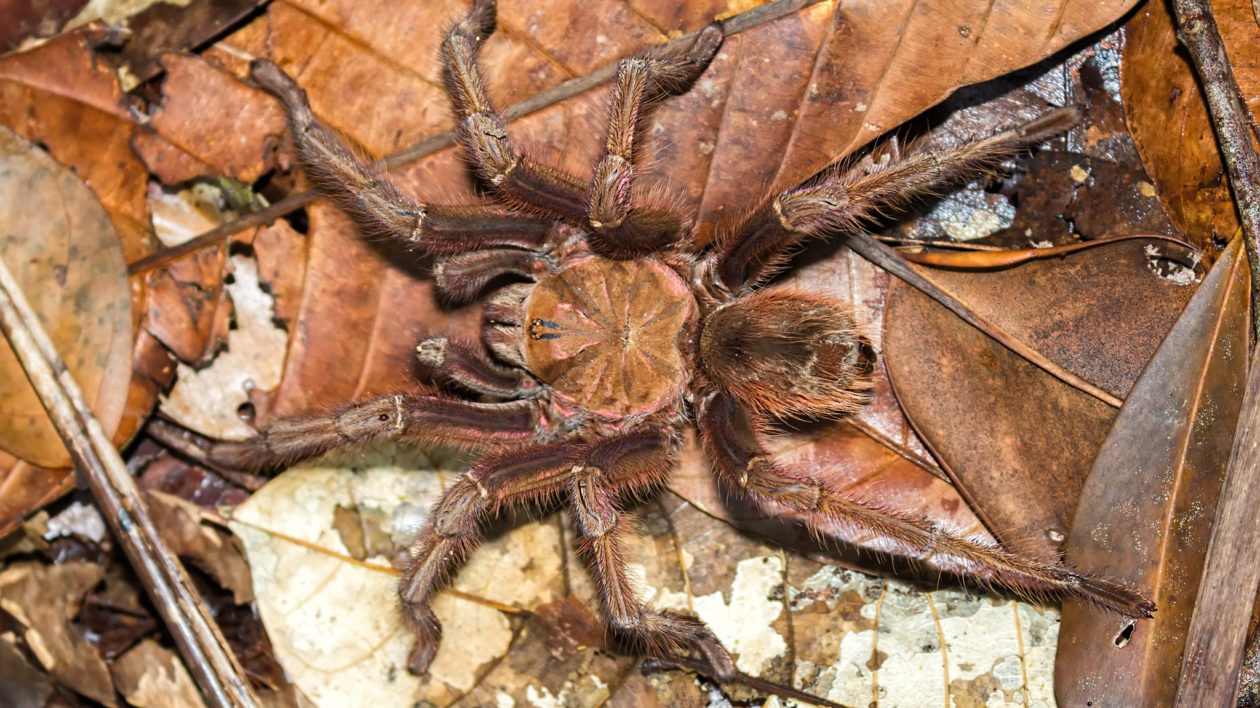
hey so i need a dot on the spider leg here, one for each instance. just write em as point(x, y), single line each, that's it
point(416, 418)
point(516, 177)
point(343, 172)
point(621, 229)
point(744, 465)
point(844, 196)
point(515, 476)
point(460, 279)
point(465, 366)
point(609, 471)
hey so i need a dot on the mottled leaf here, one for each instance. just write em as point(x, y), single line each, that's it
point(150, 676)
point(59, 97)
point(520, 628)
point(64, 252)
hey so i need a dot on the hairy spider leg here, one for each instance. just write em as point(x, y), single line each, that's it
point(620, 227)
point(844, 196)
point(514, 176)
point(465, 366)
point(460, 279)
point(521, 475)
point(611, 471)
point(742, 463)
point(418, 418)
point(342, 171)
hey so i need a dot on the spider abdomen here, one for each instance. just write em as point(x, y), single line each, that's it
point(788, 354)
point(606, 334)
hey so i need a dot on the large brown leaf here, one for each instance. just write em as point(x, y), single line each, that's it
point(1165, 111)
point(1019, 442)
point(62, 249)
point(60, 98)
point(1147, 508)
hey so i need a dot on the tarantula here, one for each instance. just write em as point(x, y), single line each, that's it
point(625, 332)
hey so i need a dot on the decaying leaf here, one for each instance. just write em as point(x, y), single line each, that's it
point(209, 400)
point(1165, 111)
point(63, 250)
point(149, 676)
point(20, 683)
point(43, 599)
point(1019, 442)
point(1147, 507)
point(59, 96)
point(208, 548)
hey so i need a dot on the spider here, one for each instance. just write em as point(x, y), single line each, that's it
point(623, 332)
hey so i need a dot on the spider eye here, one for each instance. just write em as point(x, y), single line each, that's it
point(383, 417)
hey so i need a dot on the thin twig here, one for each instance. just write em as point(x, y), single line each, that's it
point(736, 24)
point(896, 264)
point(1230, 119)
point(204, 650)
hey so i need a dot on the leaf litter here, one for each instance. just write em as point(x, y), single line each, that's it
point(756, 577)
point(836, 633)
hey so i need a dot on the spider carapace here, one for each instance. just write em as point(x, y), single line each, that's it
point(615, 331)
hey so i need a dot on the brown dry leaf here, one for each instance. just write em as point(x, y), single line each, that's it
point(208, 548)
point(43, 599)
point(20, 21)
point(149, 676)
point(789, 620)
point(58, 96)
point(64, 252)
point(1146, 511)
point(1169, 121)
point(1019, 442)
point(20, 683)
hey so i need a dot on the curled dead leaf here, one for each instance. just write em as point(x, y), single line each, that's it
point(1146, 510)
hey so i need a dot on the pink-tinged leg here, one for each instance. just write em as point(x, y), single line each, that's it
point(844, 197)
point(610, 472)
point(527, 474)
point(745, 466)
point(344, 172)
point(620, 228)
point(465, 366)
point(412, 418)
point(460, 279)
point(514, 176)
